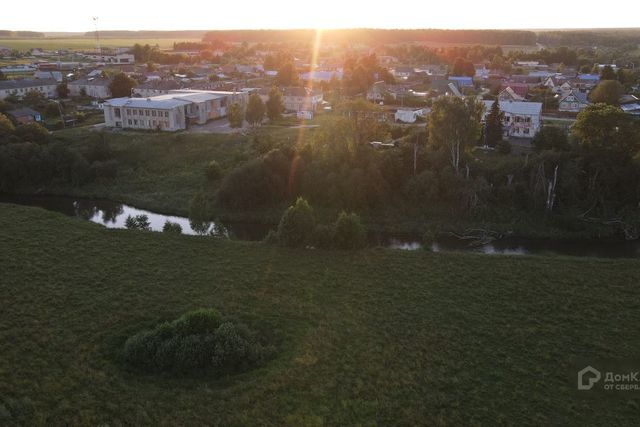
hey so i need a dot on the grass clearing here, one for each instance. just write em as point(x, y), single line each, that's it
point(374, 337)
point(80, 43)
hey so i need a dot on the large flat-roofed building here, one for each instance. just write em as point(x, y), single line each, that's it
point(19, 88)
point(172, 111)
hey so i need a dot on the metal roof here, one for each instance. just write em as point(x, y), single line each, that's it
point(156, 102)
point(517, 107)
point(21, 84)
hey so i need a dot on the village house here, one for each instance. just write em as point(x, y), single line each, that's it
point(379, 92)
point(95, 87)
point(301, 99)
point(405, 115)
point(25, 115)
point(586, 81)
point(321, 76)
point(403, 72)
point(558, 85)
point(156, 87)
point(521, 89)
point(170, 112)
point(521, 119)
point(19, 88)
point(508, 94)
point(574, 102)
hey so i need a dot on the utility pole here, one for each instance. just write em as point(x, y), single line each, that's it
point(98, 48)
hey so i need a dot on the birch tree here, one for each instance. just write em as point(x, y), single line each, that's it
point(454, 124)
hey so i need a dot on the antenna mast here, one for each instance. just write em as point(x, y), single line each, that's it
point(98, 49)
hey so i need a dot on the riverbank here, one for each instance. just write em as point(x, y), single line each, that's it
point(162, 172)
point(376, 336)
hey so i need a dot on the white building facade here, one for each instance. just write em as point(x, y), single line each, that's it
point(521, 119)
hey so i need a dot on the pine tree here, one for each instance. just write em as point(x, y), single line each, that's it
point(493, 125)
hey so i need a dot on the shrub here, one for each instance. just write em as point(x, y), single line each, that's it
point(107, 169)
point(213, 171)
point(349, 233)
point(138, 222)
point(503, 147)
point(271, 238)
point(296, 225)
point(172, 227)
point(198, 340)
point(428, 238)
point(198, 207)
point(323, 236)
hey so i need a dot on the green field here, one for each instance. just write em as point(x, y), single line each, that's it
point(375, 337)
point(79, 43)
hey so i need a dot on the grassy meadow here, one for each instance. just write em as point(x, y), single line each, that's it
point(162, 171)
point(376, 337)
point(80, 43)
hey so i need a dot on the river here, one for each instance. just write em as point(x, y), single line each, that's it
point(113, 215)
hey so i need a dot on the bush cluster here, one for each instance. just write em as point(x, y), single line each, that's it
point(298, 228)
point(198, 340)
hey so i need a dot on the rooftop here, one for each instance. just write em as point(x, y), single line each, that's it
point(517, 107)
point(25, 83)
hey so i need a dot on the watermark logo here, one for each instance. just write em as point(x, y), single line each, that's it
point(588, 377)
point(610, 377)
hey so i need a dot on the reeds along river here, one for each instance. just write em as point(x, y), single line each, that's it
point(113, 215)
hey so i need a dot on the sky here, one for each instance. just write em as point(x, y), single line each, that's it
point(47, 15)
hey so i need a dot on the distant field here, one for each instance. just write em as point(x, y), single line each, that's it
point(84, 43)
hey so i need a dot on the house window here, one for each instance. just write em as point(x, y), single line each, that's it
point(141, 113)
point(117, 112)
point(135, 112)
point(166, 114)
point(128, 111)
point(129, 122)
point(526, 131)
point(153, 113)
point(146, 113)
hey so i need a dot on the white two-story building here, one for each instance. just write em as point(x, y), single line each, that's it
point(521, 119)
point(170, 112)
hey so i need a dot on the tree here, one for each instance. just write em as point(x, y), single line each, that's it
point(235, 114)
point(607, 73)
point(138, 222)
point(33, 98)
point(6, 126)
point(121, 85)
point(33, 132)
point(255, 110)
point(551, 138)
point(493, 125)
point(172, 227)
point(287, 75)
point(62, 90)
point(213, 171)
point(454, 124)
point(462, 67)
point(608, 127)
point(275, 104)
point(349, 233)
point(297, 225)
point(607, 92)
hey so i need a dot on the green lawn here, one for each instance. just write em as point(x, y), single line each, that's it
point(51, 43)
point(377, 337)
